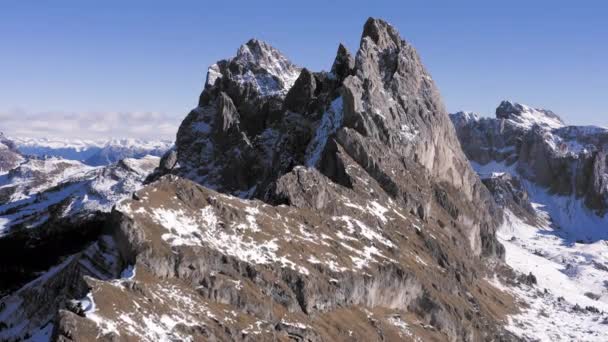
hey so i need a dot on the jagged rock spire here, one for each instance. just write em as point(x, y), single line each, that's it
point(256, 54)
point(383, 34)
point(381, 107)
point(302, 91)
point(344, 63)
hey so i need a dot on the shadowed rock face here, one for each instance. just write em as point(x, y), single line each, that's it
point(569, 160)
point(313, 206)
point(509, 193)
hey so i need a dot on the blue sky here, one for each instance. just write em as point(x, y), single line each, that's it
point(67, 64)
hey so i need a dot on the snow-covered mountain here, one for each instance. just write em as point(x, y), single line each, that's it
point(568, 160)
point(119, 149)
point(72, 149)
point(551, 180)
point(91, 152)
point(39, 190)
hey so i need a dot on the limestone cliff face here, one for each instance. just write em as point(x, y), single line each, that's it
point(392, 101)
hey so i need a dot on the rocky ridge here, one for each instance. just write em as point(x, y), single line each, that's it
point(306, 205)
point(51, 208)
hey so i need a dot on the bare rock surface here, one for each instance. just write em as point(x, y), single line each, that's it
point(211, 266)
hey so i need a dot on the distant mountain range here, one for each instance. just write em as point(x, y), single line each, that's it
point(91, 152)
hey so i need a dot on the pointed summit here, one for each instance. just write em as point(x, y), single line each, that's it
point(381, 33)
point(257, 67)
point(259, 57)
point(259, 52)
point(344, 63)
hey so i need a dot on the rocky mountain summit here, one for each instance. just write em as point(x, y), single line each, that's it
point(296, 205)
point(242, 141)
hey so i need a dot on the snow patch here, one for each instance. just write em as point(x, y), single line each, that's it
point(330, 122)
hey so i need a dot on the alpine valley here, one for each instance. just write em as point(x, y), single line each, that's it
point(341, 205)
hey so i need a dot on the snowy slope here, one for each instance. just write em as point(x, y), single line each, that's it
point(571, 283)
point(571, 275)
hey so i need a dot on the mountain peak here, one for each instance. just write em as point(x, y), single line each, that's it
point(526, 116)
point(463, 118)
point(259, 65)
point(381, 33)
point(256, 50)
point(344, 63)
point(259, 54)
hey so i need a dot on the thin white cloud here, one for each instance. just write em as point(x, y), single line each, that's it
point(92, 125)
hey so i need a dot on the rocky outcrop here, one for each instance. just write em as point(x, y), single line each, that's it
point(214, 267)
point(525, 116)
point(535, 143)
point(509, 193)
point(31, 311)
